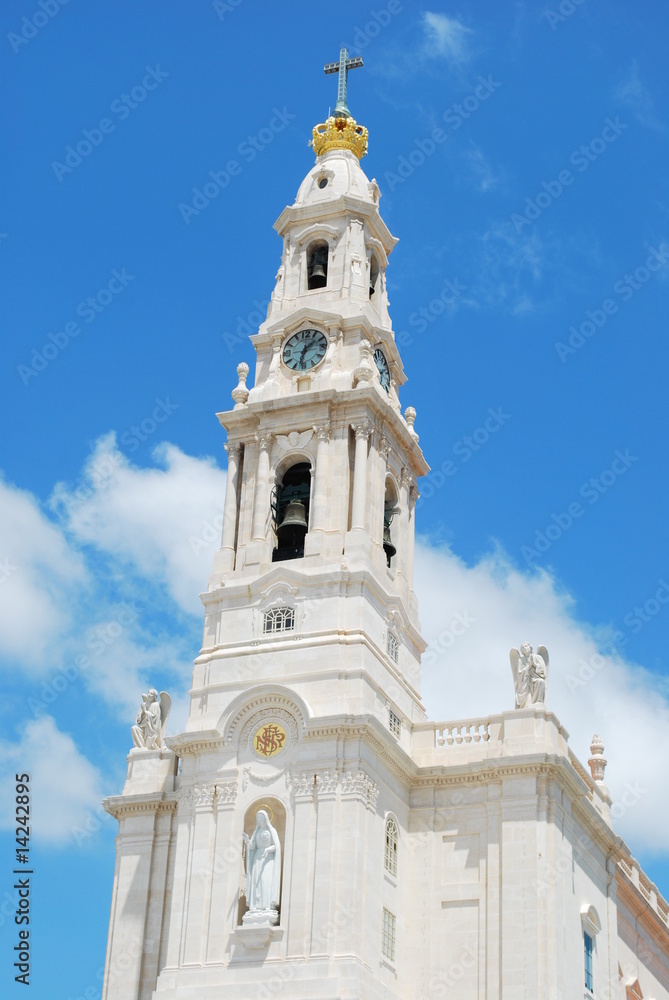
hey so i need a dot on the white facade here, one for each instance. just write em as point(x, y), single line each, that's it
point(419, 859)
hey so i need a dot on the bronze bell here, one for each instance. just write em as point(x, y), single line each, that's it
point(318, 277)
point(294, 519)
point(388, 546)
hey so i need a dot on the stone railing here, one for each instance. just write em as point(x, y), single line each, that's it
point(461, 734)
point(646, 888)
point(456, 733)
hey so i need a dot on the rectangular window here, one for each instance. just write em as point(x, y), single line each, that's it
point(394, 724)
point(392, 647)
point(388, 935)
point(587, 945)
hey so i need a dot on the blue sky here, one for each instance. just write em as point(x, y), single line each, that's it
point(522, 158)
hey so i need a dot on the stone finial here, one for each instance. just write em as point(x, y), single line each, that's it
point(410, 417)
point(364, 372)
point(597, 763)
point(240, 393)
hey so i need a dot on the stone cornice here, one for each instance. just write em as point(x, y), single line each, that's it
point(192, 744)
point(346, 406)
point(338, 207)
point(242, 589)
point(120, 806)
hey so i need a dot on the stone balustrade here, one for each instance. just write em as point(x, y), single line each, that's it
point(635, 874)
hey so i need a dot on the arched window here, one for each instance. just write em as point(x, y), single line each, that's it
point(390, 508)
point(390, 853)
point(591, 925)
point(373, 275)
point(317, 265)
point(290, 509)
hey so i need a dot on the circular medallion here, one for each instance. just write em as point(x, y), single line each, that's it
point(269, 739)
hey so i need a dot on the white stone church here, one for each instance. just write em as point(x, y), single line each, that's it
point(311, 834)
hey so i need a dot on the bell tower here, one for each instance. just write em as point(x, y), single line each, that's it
point(306, 689)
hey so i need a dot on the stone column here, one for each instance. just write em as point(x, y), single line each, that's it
point(363, 429)
point(299, 896)
point(199, 874)
point(404, 528)
point(230, 508)
point(261, 500)
point(227, 869)
point(322, 945)
point(411, 536)
point(320, 501)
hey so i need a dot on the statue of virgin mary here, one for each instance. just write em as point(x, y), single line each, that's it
point(263, 871)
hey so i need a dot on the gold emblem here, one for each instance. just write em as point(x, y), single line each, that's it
point(269, 739)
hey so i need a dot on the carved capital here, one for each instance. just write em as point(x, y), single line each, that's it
point(264, 439)
point(384, 447)
point(362, 429)
point(233, 450)
point(322, 431)
point(406, 479)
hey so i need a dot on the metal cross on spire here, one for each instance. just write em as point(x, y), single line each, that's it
point(342, 67)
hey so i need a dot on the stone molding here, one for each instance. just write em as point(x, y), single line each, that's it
point(327, 783)
point(359, 785)
point(296, 440)
point(303, 785)
point(249, 775)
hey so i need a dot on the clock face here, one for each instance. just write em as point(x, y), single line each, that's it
point(304, 350)
point(384, 370)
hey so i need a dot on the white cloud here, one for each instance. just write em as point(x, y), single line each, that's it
point(635, 96)
point(38, 572)
point(446, 37)
point(470, 676)
point(480, 168)
point(164, 522)
point(65, 787)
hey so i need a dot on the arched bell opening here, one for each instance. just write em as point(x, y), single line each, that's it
point(263, 849)
point(390, 508)
point(317, 265)
point(373, 275)
point(290, 510)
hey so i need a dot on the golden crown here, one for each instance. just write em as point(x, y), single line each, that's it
point(340, 133)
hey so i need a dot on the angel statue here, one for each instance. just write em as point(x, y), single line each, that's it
point(263, 871)
point(530, 672)
point(149, 732)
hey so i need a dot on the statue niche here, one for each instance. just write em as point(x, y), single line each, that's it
point(263, 849)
